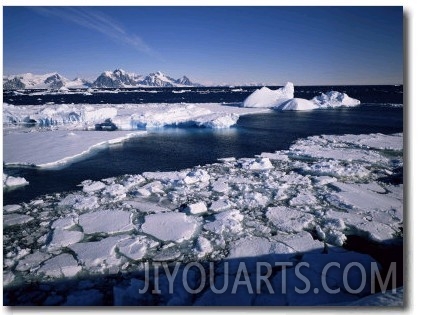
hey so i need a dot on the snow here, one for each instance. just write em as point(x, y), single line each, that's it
point(176, 227)
point(297, 206)
point(106, 221)
point(56, 148)
point(12, 182)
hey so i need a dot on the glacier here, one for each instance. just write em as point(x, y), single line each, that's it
point(275, 207)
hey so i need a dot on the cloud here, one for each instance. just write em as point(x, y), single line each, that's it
point(99, 22)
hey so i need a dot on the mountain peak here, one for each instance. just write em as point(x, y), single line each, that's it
point(108, 79)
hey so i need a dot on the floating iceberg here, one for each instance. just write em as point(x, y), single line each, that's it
point(283, 99)
point(12, 182)
point(335, 99)
point(265, 97)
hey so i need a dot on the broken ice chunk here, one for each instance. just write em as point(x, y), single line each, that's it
point(288, 219)
point(170, 226)
point(106, 221)
point(63, 265)
point(15, 219)
point(197, 208)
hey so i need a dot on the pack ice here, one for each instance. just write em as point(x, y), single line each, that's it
point(298, 206)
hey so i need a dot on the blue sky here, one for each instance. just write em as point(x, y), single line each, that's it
point(211, 45)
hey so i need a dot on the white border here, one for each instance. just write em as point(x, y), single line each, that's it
point(414, 209)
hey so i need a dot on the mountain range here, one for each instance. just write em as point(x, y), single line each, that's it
point(108, 79)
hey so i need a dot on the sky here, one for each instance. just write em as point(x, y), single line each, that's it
point(211, 45)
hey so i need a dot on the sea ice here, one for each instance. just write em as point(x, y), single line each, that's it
point(63, 238)
point(11, 181)
point(197, 208)
point(106, 221)
point(136, 247)
point(171, 226)
point(90, 186)
point(230, 212)
point(253, 246)
point(32, 261)
point(15, 219)
point(63, 265)
point(98, 254)
point(55, 148)
point(228, 221)
point(11, 208)
point(288, 219)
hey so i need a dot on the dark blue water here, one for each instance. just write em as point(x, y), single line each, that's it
point(366, 94)
point(177, 148)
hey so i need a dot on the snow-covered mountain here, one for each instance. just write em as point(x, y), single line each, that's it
point(108, 79)
point(117, 78)
point(44, 81)
point(120, 78)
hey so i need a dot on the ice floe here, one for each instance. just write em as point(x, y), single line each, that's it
point(176, 227)
point(11, 181)
point(299, 206)
point(124, 116)
point(56, 148)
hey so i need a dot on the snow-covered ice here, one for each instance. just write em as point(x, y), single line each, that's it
point(55, 148)
point(283, 99)
point(296, 104)
point(106, 221)
point(265, 97)
point(63, 265)
point(335, 99)
point(11, 181)
point(173, 226)
point(301, 205)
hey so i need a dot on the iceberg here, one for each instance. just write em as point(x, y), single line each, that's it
point(265, 97)
point(13, 182)
point(283, 99)
point(297, 104)
point(334, 99)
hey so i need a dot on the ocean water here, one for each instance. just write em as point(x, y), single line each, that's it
point(174, 148)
